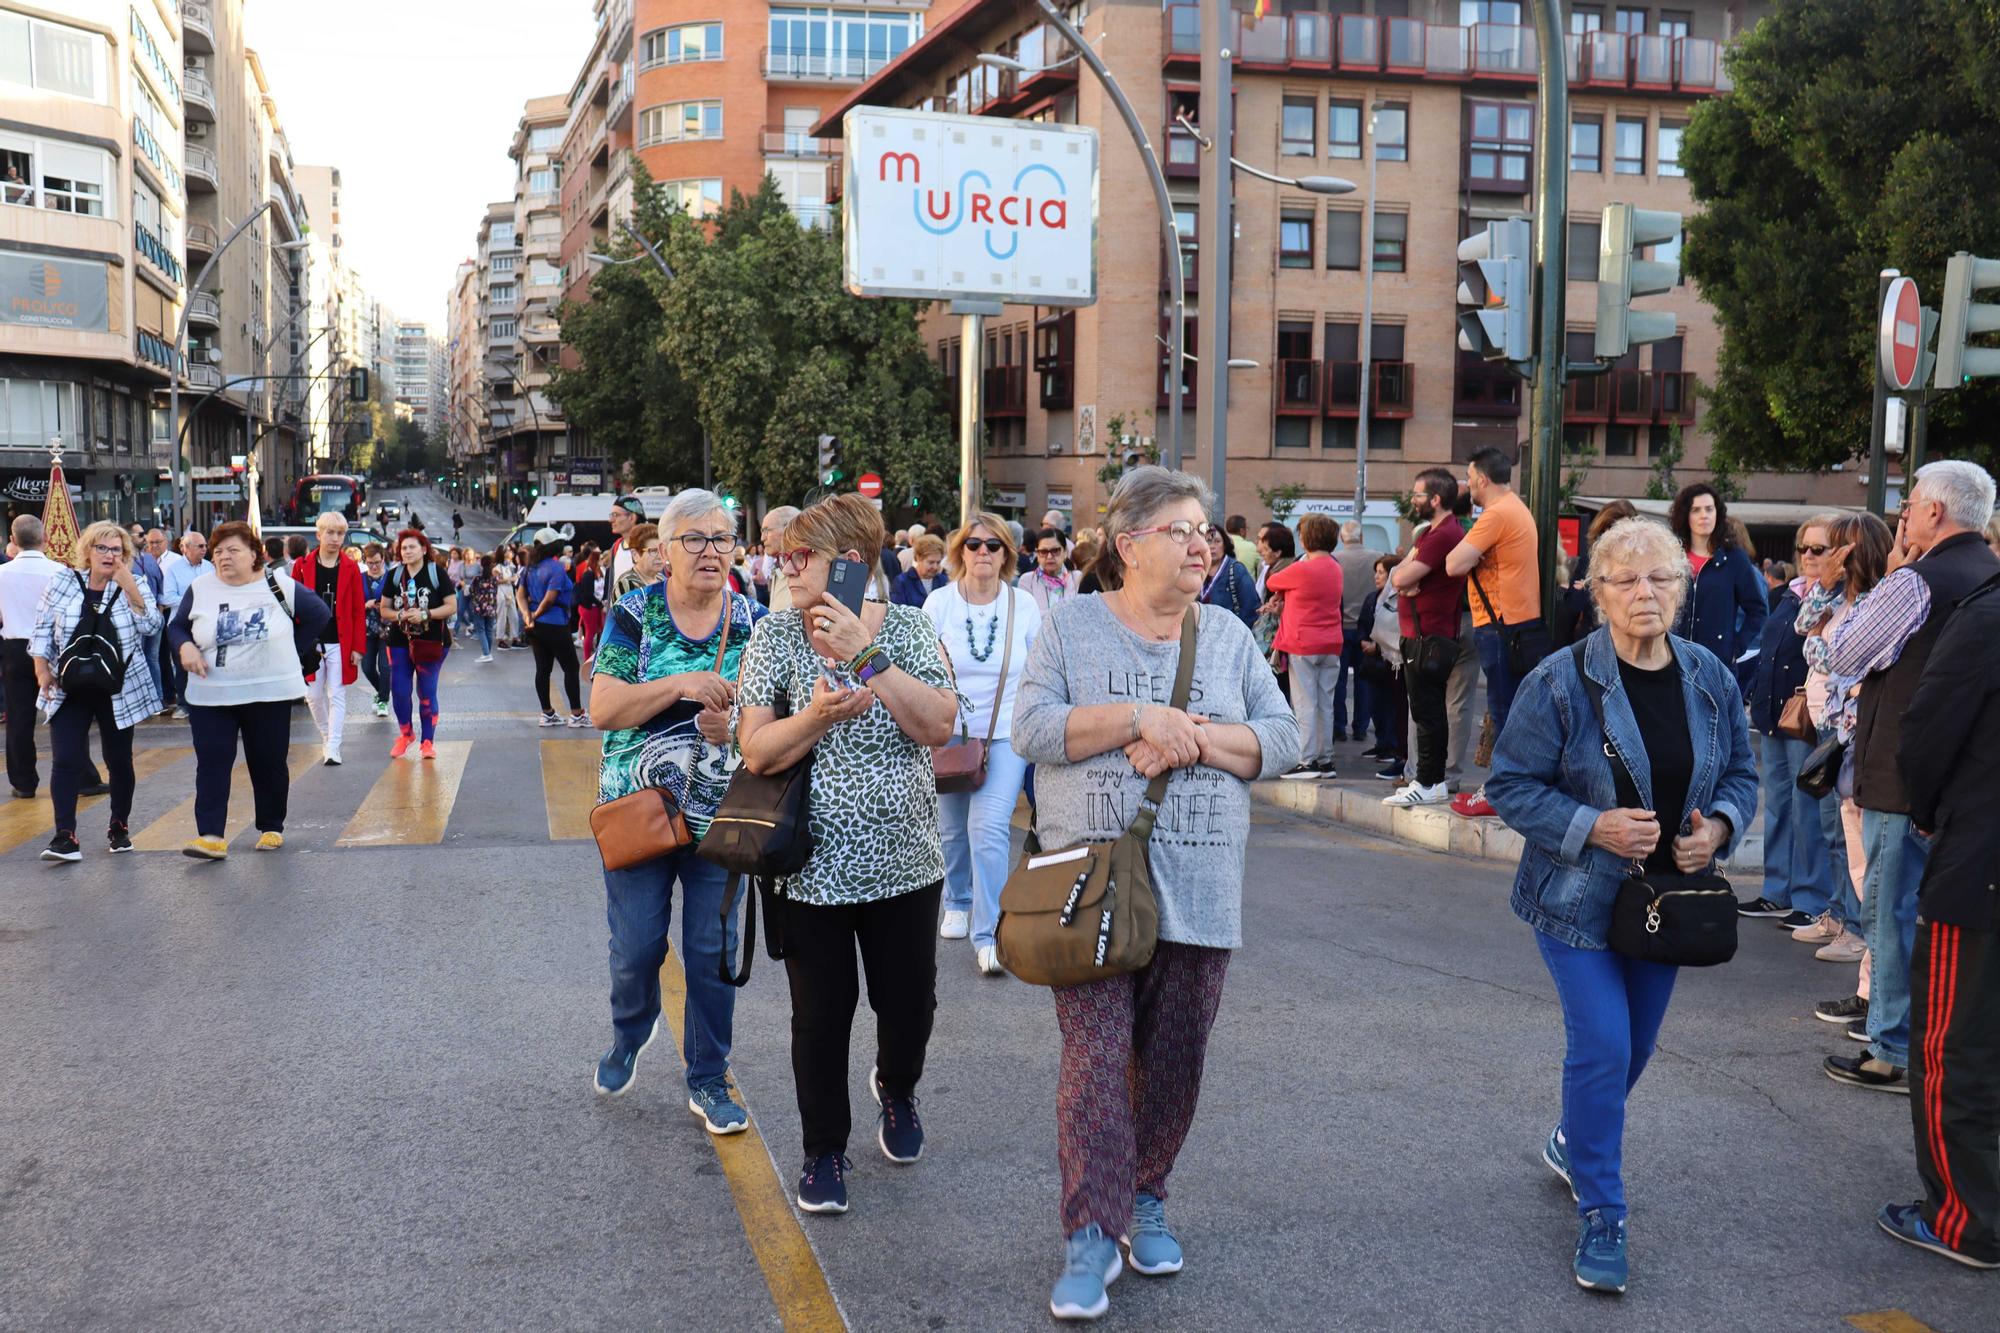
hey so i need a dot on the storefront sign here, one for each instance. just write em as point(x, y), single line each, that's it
point(1060, 502)
point(1007, 497)
point(31, 488)
point(48, 293)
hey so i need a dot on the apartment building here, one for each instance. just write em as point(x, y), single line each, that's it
point(463, 407)
point(419, 370)
point(523, 289)
point(1441, 95)
point(93, 222)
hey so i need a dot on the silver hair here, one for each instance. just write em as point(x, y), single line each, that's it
point(1964, 489)
point(691, 504)
point(782, 515)
point(1350, 533)
point(1640, 544)
point(1141, 494)
point(28, 532)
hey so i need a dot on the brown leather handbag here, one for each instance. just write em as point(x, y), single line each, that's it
point(960, 765)
point(648, 823)
point(1795, 719)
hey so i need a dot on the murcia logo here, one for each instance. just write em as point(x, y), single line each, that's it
point(1006, 213)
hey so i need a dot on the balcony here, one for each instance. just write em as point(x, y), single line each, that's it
point(1299, 383)
point(621, 94)
point(1674, 396)
point(1587, 400)
point(1006, 391)
point(201, 375)
point(820, 67)
point(1391, 389)
point(197, 27)
point(204, 308)
point(202, 172)
point(1486, 389)
point(1055, 359)
point(1631, 396)
point(1638, 397)
point(781, 142)
point(154, 252)
point(197, 95)
point(1183, 153)
point(1048, 57)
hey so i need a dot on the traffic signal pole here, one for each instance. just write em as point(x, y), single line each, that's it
point(1543, 455)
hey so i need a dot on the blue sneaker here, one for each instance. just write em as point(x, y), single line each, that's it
point(718, 1110)
point(615, 1070)
point(902, 1133)
point(1600, 1252)
point(1090, 1264)
point(1151, 1248)
point(1905, 1221)
point(823, 1184)
point(1556, 1154)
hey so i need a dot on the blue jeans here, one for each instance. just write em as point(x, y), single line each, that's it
point(1612, 1008)
point(150, 646)
point(1364, 703)
point(375, 666)
point(978, 831)
point(1796, 873)
point(1896, 857)
point(1846, 903)
point(639, 906)
point(1501, 682)
point(483, 626)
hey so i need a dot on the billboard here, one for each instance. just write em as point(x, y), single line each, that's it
point(939, 206)
point(51, 293)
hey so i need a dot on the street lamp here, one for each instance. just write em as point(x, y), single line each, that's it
point(1328, 185)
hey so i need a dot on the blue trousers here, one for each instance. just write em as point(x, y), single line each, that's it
point(1896, 858)
point(404, 674)
point(1612, 1008)
point(483, 626)
point(1501, 682)
point(375, 666)
point(1796, 870)
point(639, 908)
point(978, 831)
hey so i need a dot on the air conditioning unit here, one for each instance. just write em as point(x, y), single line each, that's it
point(197, 130)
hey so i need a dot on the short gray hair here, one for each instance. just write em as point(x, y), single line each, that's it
point(1639, 544)
point(691, 504)
point(1350, 533)
point(782, 516)
point(1141, 494)
point(1964, 489)
point(27, 532)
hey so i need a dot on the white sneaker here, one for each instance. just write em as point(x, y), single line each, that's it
point(579, 720)
point(989, 961)
point(332, 759)
point(487, 658)
point(1823, 930)
point(1418, 794)
point(550, 720)
point(381, 708)
point(957, 925)
point(1848, 948)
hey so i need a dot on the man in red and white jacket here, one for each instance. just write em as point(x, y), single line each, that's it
point(337, 580)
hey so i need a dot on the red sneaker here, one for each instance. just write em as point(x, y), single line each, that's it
point(427, 750)
point(1473, 805)
point(401, 746)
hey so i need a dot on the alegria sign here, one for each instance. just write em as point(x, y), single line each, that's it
point(942, 206)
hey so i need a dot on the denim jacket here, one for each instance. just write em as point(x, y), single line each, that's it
point(1551, 779)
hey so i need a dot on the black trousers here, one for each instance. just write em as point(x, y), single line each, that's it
point(17, 673)
point(265, 731)
point(1427, 710)
point(898, 942)
point(1955, 1083)
point(69, 744)
point(553, 646)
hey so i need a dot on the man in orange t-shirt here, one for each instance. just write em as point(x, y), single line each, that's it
point(1500, 554)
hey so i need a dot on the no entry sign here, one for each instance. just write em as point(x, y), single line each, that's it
point(869, 485)
point(1901, 334)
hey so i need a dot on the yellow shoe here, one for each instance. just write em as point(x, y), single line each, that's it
point(206, 849)
point(270, 842)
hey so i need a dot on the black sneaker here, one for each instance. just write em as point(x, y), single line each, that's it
point(119, 839)
point(1841, 1011)
point(1796, 920)
point(62, 847)
point(1865, 1071)
point(823, 1184)
point(1303, 773)
point(902, 1133)
point(1857, 1031)
point(1760, 907)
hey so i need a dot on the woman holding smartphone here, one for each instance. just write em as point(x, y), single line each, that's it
point(863, 688)
point(417, 604)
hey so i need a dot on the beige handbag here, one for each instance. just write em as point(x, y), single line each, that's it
point(960, 765)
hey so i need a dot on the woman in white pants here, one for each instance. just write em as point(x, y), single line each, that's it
point(337, 579)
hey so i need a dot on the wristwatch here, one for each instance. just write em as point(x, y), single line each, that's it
point(871, 664)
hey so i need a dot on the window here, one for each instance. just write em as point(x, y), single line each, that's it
point(1500, 146)
point(1295, 240)
point(681, 45)
point(1580, 257)
point(1630, 21)
point(1343, 129)
point(1298, 132)
point(1630, 148)
point(1392, 233)
point(680, 120)
point(1621, 441)
point(501, 295)
point(1586, 144)
point(814, 41)
point(500, 264)
point(74, 179)
point(696, 198)
point(1586, 18)
point(33, 410)
point(501, 236)
point(53, 58)
point(541, 273)
point(1670, 148)
point(543, 180)
point(501, 330)
point(1186, 224)
point(1675, 22)
point(1392, 133)
point(1343, 238)
point(1489, 11)
point(1292, 432)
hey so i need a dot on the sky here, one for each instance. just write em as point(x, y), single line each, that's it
point(415, 101)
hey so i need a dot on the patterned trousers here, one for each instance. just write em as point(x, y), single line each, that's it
point(1133, 1048)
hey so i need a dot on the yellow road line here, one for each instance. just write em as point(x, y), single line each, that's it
point(411, 802)
point(791, 1270)
point(1888, 1321)
point(21, 821)
point(569, 787)
point(171, 831)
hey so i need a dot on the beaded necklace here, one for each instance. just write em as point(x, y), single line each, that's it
point(992, 629)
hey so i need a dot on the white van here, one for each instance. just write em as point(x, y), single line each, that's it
point(584, 518)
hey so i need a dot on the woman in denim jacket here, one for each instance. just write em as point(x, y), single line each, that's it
point(1673, 711)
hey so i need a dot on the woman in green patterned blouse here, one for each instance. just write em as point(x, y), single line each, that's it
point(866, 698)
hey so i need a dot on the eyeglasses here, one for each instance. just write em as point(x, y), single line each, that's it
point(720, 542)
point(1662, 580)
point(1181, 531)
point(1814, 551)
point(795, 562)
point(992, 545)
point(102, 548)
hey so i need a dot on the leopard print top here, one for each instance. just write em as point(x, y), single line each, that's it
point(874, 812)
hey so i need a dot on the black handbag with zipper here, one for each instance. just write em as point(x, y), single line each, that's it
point(760, 832)
point(1678, 920)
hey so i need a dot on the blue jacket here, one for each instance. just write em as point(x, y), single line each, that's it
point(1551, 779)
point(1726, 610)
point(1235, 591)
point(910, 588)
point(1779, 668)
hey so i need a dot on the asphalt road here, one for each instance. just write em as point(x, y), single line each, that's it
point(346, 1085)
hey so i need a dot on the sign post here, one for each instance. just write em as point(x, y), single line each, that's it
point(1900, 334)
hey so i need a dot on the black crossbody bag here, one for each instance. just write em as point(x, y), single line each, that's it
point(1679, 920)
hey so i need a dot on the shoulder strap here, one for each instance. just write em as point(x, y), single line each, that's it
point(1595, 692)
point(1156, 790)
point(722, 630)
point(271, 582)
point(1006, 660)
point(1497, 621)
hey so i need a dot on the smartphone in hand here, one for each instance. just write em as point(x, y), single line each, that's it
point(847, 583)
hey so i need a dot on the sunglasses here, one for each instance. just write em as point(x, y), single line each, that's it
point(1046, 551)
point(1814, 551)
point(990, 544)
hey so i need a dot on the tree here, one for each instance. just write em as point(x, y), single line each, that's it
point(1859, 136)
point(1281, 500)
point(1661, 485)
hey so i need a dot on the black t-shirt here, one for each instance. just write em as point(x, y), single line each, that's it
point(1661, 707)
point(326, 582)
point(428, 589)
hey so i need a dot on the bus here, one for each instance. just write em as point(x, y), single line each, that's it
point(327, 492)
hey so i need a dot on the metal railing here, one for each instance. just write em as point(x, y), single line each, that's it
point(200, 162)
point(1298, 386)
point(798, 143)
point(195, 87)
point(204, 376)
point(206, 308)
point(821, 67)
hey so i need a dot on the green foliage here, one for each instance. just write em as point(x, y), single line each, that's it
point(1860, 136)
point(1114, 434)
point(1661, 485)
point(1281, 500)
point(1572, 484)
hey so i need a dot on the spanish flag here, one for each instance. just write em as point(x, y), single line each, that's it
point(1262, 5)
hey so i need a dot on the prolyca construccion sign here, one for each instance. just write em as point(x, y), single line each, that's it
point(52, 293)
point(940, 206)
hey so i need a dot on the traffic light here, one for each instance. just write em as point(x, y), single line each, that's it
point(357, 383)
point(1962, 317)
point(1497, 326)
point(534, 491)
point(516, 490)
point(1620, 277)
point(829, 461)
point(729, 502)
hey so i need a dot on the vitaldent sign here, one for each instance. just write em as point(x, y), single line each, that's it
point(54, 293)
point(941, 206)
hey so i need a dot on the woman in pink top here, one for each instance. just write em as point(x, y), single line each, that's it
point(1309, 635)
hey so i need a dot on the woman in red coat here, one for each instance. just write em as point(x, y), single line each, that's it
point(337, 580)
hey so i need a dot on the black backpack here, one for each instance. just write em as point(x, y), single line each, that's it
point(93, 661)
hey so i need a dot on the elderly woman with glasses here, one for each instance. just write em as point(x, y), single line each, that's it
point(1097, 718)
point(1685, 788)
